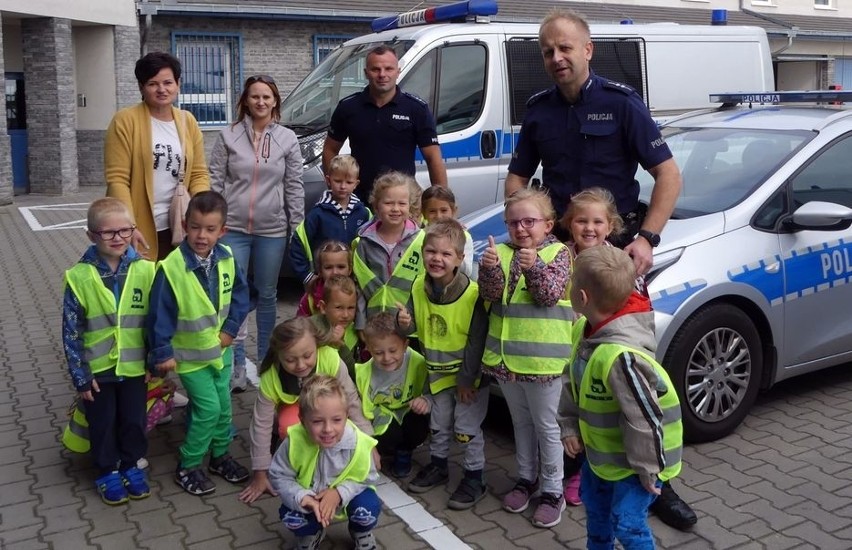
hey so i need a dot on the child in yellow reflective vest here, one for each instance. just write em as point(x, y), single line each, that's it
point(333, 258)
point(103, 313)
point(618, 403)
point(392, 386)
point(295, 353)
point(336, 316)
point(324, 468)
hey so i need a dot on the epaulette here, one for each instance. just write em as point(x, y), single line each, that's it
point(613, 85)
point(535, 98)
point(416, 98)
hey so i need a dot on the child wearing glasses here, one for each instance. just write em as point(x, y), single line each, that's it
point(528, 345)
point(103, 313)
point(337, 216)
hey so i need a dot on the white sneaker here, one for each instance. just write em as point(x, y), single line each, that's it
point(142, 463)
point(180, 400)
point(238, 379)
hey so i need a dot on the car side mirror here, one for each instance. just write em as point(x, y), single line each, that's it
point(821, 216)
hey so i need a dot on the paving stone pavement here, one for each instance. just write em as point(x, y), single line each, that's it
point(783, 480)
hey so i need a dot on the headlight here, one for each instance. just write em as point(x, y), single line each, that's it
point(662, 261)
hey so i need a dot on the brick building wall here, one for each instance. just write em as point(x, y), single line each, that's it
point(48, 56)
point(6, 187)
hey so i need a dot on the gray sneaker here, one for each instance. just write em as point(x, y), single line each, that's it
point(239, 380)
point(310, 542)
point(364, 541)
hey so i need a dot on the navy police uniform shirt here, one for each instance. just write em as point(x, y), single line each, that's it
point(383, 138)
point(598, 141)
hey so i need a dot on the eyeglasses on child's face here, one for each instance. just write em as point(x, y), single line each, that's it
point(526, 223)
point(108, 235)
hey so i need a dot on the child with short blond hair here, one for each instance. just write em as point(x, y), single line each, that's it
point(337, 216)
point(324, 467)
point(438, 204)
point(104, 306)
point(336, 316)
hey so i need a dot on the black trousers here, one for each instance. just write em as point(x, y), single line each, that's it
point(406, 436)
point(117, 423)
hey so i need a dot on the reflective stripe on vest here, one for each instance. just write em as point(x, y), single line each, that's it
point(328, 363)
point(600, 415)
point(75, 437)
point(302, 235)
point(381, 296)
point(526, 337)
point(113, 336)
point(395, 403)
point(304, 453)
point(196, 340)
point(443, 331)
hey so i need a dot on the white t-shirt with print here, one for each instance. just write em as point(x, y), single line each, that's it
point(167, 158)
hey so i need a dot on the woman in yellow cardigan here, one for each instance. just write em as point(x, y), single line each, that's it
point(144, 148)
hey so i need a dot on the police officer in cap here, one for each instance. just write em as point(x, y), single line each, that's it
point(590, 131)
point(384, 126)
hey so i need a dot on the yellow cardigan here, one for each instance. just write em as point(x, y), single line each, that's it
point(129, 158)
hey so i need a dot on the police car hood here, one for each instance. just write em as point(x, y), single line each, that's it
point(687, 232)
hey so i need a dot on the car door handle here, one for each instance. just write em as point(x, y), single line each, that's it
point(488, 144)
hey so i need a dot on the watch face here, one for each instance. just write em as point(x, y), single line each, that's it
point(652, 238)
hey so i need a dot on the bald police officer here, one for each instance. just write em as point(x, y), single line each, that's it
point(589, 131)
point(384, 126)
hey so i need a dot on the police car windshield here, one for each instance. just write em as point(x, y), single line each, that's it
point(722, 166)
point(308, 108)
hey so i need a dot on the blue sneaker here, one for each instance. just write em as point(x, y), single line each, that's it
point(135, 483)
point(111, 488)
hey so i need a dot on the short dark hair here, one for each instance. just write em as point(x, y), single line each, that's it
point(151, 64)
point(207, 202)
point(382, 49)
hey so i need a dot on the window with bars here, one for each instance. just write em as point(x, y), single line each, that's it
point(210, 80)
point(325, 43)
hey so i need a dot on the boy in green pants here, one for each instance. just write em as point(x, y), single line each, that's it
point(198, 302)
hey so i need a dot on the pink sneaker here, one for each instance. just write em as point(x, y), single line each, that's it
point(572, 490)
point(548, 513)
point(518, 499)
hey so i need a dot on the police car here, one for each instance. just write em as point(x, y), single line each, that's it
point(752, 282)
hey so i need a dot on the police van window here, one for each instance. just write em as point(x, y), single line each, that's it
point(456, 92)
point(827, 178)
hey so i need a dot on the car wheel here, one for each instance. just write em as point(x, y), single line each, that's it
point(715, 362)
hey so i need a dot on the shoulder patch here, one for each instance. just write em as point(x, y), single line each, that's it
point(535, 98)
point(613, 85)
point(416, 98)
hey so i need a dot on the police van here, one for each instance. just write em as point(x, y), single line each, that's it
point(477, 75)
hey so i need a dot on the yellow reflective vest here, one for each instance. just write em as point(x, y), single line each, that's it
point(304, 453)
point(526, 337)
point(600, 414)
point(394, 401)
point(442, 330)
point(114, 333)
point(328, 363)
point(196, 340)
point(381, 296)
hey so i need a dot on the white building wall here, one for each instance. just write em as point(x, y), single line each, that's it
point(108, 12)
point(94, 77)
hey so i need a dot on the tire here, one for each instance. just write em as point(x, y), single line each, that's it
point(715, 362)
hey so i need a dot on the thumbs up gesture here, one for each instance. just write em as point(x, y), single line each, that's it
point(489, 256)
point(526, 258)
point(403, 317)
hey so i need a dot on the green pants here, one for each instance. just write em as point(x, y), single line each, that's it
point(209, 392)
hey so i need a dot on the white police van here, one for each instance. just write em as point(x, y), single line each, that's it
point(477, 76)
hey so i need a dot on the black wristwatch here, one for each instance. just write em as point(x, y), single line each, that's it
point(650, 236)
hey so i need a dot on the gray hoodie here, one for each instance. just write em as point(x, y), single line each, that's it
point(263, 186)
point(635, 330)
point(330, 463)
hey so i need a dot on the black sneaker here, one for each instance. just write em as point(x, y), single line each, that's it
point(672, 510)
point(470, 491)
point(225, 466)
point(194, 481)
point(401, 466)
point(430, 476)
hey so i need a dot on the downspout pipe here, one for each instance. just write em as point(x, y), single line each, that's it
point(792, 30)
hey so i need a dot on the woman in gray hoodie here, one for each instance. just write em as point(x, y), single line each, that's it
point(256, 164)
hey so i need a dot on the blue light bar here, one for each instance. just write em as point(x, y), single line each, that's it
point(440, 14)
point(782, 97)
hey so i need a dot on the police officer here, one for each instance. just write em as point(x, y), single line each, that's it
point(385, 126)
point(590, 131)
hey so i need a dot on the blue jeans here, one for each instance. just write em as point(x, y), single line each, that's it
point(616, 510)
point(265, 255)
point(363, 513)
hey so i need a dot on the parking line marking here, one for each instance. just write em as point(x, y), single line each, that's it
point(425, 525)
point(35, 225)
